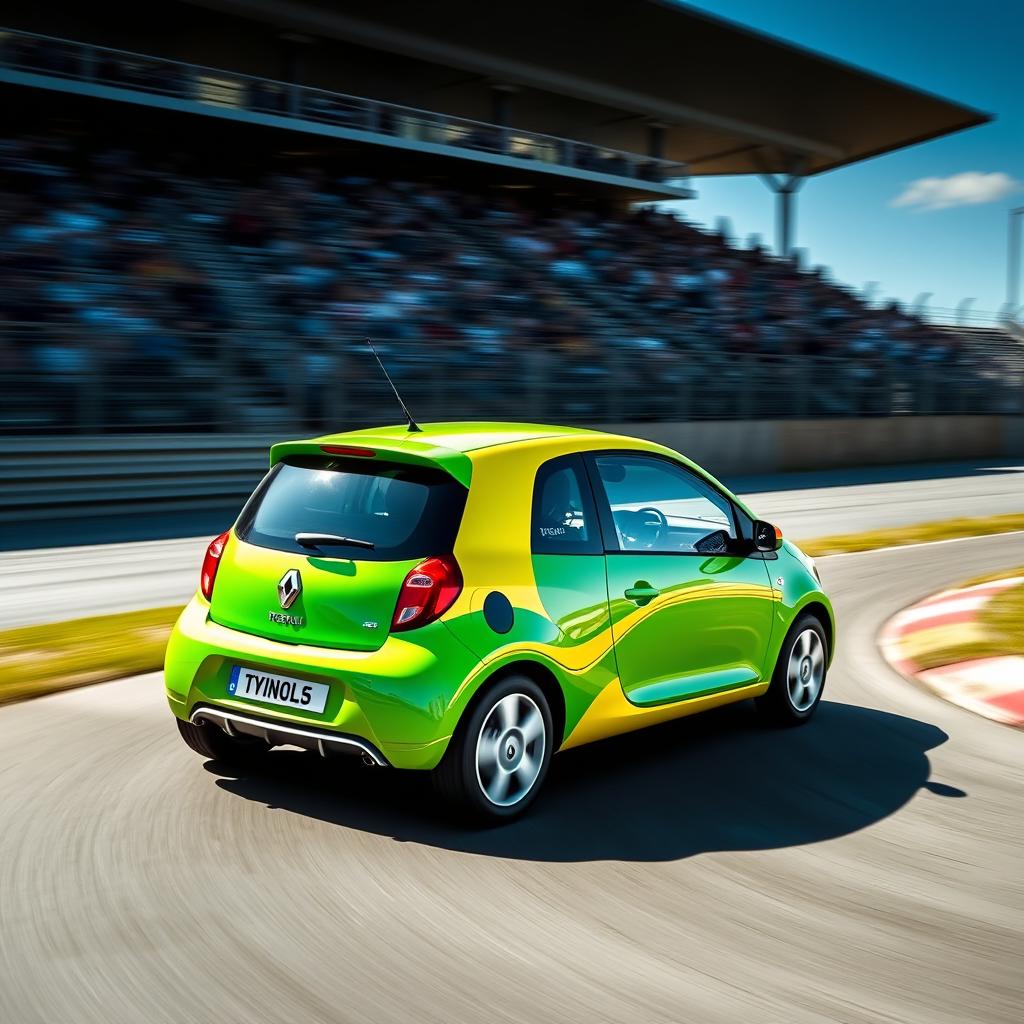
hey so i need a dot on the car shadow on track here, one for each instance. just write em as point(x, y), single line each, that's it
point(718, 781)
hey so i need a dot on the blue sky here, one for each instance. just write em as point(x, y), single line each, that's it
point(970, 53)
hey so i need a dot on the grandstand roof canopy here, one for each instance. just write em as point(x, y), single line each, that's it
point(731, 100)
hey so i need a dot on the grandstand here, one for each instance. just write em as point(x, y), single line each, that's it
point(199, 226)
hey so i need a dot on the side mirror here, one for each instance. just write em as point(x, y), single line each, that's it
point(766, 536)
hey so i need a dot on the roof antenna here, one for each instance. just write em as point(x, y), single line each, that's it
point(414, 427)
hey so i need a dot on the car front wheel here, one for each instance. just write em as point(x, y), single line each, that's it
point(799, 677)
point(499, 756)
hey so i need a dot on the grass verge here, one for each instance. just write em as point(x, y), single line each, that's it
point(35, 660)
point(922, 533)
point(57, 656)
point(990, 577)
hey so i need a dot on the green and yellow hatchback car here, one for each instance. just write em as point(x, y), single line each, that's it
point(468, 598)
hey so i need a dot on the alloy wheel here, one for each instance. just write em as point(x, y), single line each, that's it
point(510, 749)
point(806, 670)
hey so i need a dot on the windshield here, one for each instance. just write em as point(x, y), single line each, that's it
point(403, 511)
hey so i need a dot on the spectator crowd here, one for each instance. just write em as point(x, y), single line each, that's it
point(154, 282)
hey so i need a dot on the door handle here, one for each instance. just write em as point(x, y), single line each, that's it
point(641, 593)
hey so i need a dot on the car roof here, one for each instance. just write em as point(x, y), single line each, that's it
point(451, 445)
point(464, 436)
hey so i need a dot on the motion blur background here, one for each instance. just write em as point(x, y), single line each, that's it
point(565, 211)
point(206, 208)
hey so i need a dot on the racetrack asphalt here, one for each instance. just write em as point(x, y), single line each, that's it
point(58, 583)
point(866, 867)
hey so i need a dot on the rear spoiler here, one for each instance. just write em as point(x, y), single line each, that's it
point(411, 452)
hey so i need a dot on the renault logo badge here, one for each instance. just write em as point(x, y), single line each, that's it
point(289, 588)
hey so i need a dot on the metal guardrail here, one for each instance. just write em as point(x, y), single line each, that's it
point(86, 490)
point(223, 90)
point(966, 316)
point(65, 382)
point(119, 474)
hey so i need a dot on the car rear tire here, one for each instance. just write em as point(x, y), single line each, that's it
point(799, 678)
point(212, 742)
point(499, 756)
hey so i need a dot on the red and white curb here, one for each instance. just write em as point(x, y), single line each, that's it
point(993, 687)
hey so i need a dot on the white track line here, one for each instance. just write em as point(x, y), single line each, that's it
point(917, 544)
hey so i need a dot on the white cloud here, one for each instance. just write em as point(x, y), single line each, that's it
point(965, 189)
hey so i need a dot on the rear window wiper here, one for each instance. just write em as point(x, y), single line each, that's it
point(316, 540)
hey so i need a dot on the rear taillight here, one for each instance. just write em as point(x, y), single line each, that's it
point(427, 593)
point(210, 565)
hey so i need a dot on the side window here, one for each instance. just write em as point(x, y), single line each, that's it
point(658, 506)
point(564, 517)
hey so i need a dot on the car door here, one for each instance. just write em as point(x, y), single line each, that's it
point(691, 605)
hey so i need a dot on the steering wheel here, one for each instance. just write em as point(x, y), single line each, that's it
point(659, 524)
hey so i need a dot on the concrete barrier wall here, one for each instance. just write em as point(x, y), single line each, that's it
point(1013, 435)
point(776, 446)
point(75, 490)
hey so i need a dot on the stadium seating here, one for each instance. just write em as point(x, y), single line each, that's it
point(142, 296)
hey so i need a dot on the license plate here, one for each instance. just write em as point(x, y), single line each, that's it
point(269, 688)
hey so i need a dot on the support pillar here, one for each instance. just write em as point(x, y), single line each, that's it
point(293, 47)
point(784, 221)
point(1013, 261)
point(656, 140)
point(501, 104)
point(501, 114)
point(785, 187)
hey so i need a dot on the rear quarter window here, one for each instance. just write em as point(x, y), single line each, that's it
point(404, 511)
point(564, 516)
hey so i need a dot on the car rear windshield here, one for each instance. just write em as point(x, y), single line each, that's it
point(403, 511)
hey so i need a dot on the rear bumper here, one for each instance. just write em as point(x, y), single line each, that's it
point(323, 741)
point(400, 701)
